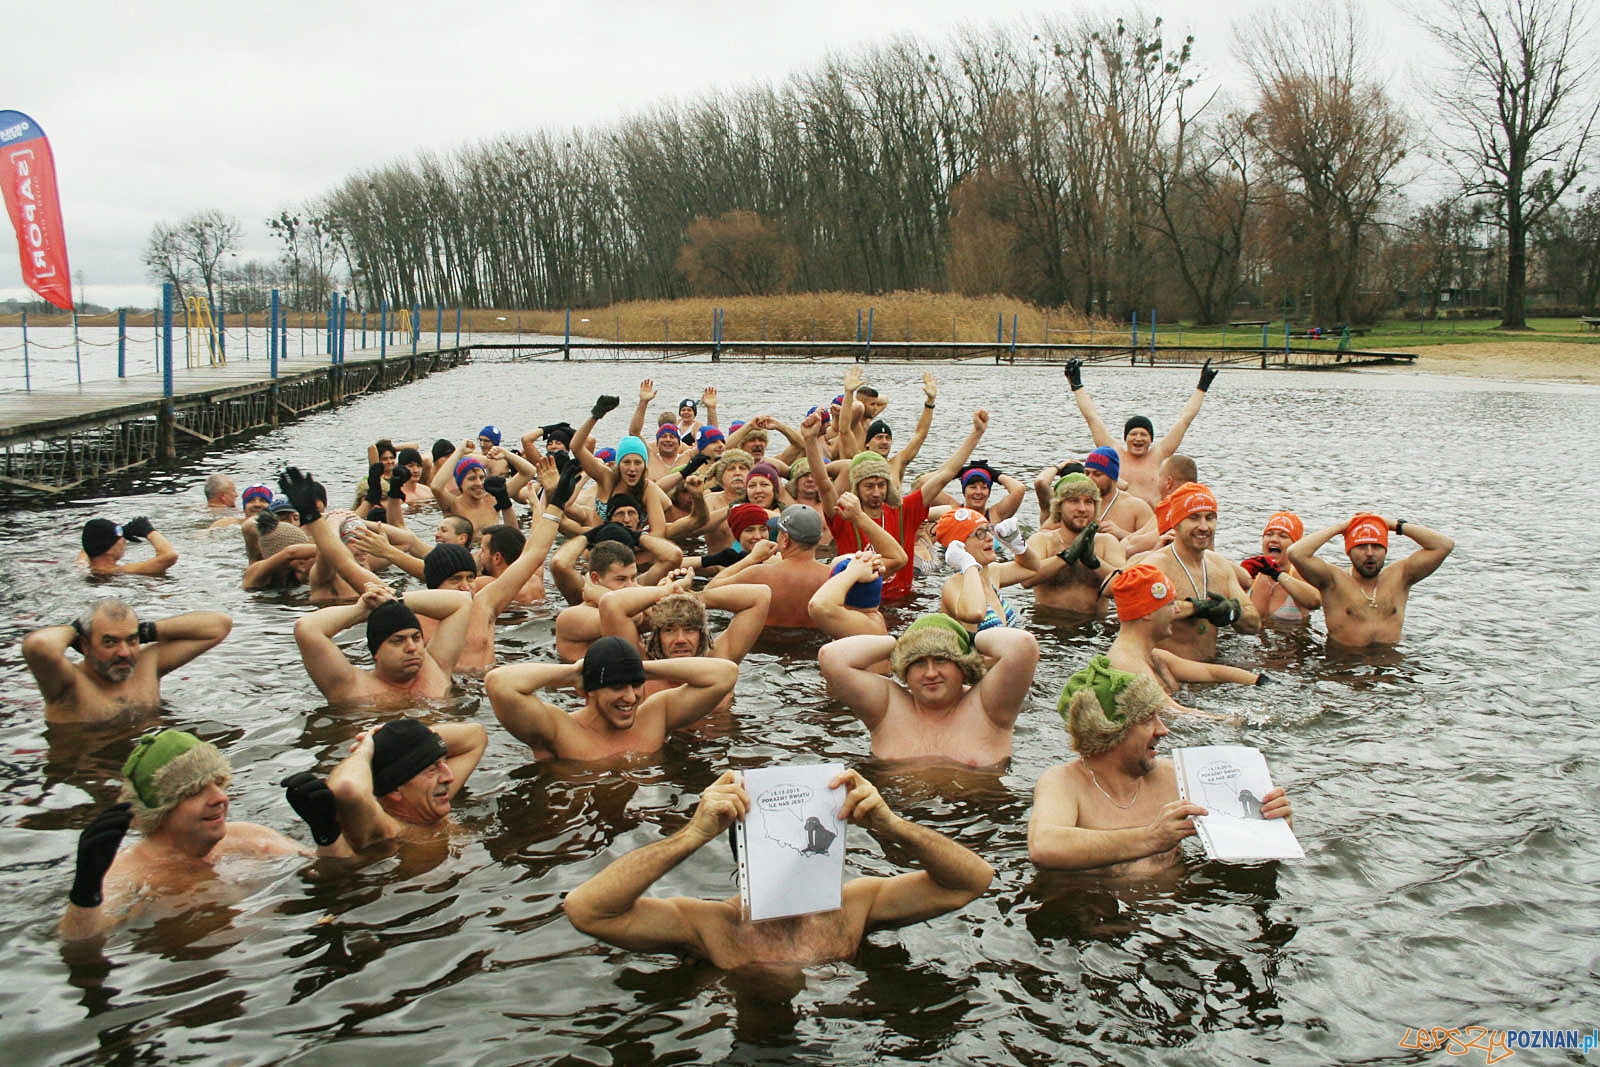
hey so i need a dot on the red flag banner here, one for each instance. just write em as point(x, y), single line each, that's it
point(28, 182)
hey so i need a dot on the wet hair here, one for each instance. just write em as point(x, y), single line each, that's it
point(1181, 468)
point(505, 540)
point(608, 554)
point(216, 484)
point(409, 456)
point(383, 444)
point(458, 524)
point(677, 609)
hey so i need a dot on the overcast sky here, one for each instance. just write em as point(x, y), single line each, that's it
point(158, 108)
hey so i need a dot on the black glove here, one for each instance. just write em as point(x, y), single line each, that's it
point(606, 403)
point(77, 635)
point(97, 847)
point(1262, 679)
point(571, 474)
point(1207, 376)
point(1082, 548)
point(375, 483)
point(313, 801)
point(612, 531)
point(1216, 608)
point(137, 528)
point(700, 460)
point(495, 486)
point(304, 493)
point(1261, 565)
point(545, 431)
point(1074, 370)
point(147, 633)
point(397, 482)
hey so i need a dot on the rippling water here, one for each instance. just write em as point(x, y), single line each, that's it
point(1441, 789)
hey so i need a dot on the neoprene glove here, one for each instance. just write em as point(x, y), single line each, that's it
point(957, 556)
point(1263, 679)
point(1207, 376)
point(1082, 546)
point(147, 633)
point(700, 460)
point(1262, 564)
point(606, 403)
point(304, 493)
point(313, 801)
point(397, 482)
point(1217, 609)
point(97, 847)
point(375, 482)
point(1074, 371)
point(495, 486)
point(136, 529)
point(570, 475)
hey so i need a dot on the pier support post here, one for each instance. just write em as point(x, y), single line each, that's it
point(866, 352)
point(122, 342)
point(566, 339)
point(273, 314)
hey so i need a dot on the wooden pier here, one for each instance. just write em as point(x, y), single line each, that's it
point(66, 438)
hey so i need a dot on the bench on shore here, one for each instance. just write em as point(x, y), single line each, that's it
point(1249, 322)
point(1591, 321)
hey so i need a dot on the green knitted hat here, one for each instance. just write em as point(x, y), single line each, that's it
point(165, 769)
point(872, 465)
point(937, 636)
point(1099, 703)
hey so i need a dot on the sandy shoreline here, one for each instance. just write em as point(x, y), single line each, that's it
point(1519, 361)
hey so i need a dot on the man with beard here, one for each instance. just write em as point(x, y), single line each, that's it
point(400, 779)
point(1094, 812)
point(1366, 605)
point(405, 669)
point(1211, 582)
point(174, 792)
point(123, 659)
point(617, 719)
point(1141, 454)
point(1121, 514)
point(612, 905)
point(947, 704)
point(1079, 560)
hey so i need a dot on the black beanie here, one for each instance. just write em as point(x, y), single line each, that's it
point(1138, 422)
point(442, 448)
point(613, 531)
point(624, 500)
point(388, 619)
point(443, 561)
point(99, 535)
point(610, 662)
point(401, 750)
point(878, 426)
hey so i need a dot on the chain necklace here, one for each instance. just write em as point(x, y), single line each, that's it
point(1372, 597)
point(1202, 587)
point(1131, 801)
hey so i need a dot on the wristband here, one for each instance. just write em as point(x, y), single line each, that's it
point(928, 405)
point(1399, 526)
point(147, 633)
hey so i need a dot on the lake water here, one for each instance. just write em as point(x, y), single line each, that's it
point(1441, 789)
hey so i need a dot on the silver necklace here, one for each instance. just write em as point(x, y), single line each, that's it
point(1202, 587)
point(1131, 800)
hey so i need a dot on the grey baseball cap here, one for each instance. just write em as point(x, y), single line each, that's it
point(801, 523)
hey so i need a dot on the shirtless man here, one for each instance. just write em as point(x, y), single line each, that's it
point(1276, 588)
point(1094, 811)
point(850, 601)
point(221, 493)
point(879, 437)
point(612, 566)
point(617, 719)
point(676, 620)
point(1123, 515)
point(459, 486)
point(104, 543)
point(405, 669)
point(612, 906)
point(174, 792)
point(1146, 610)
point(123, 659)
point(400, 779)
point(948, 706)
point(1366, 605)
point(1209, 580)
point(1078, 559)
point(1140, 454)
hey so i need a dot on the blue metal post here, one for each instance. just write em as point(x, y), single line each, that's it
point(858, 325)
point(867, 354)
point(166, 340)
point(458, 326)
point(383, 331)
point(246, 315)
point(27, 374)
point(1152, 332)
point(566, 343)
point(122, 342)
point(1013, 333)
point(1135, 329)
point(438, 326)
point(222, 332)
point(77, 346)
point(333, 319)
point(1286, 335)
point(1000, 329)
point(416, 325)
point(363, 329)
point(272, 335)
point(1263, 337)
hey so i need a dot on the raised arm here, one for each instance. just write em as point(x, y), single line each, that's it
point(377, 545)
point(453, 609)
point(514, 695)
point(903, 458)
point(495, 597)
point(362, 819)
point(647, 393)
point(735, 572)
point(1174, 437)
point(1433, 547)
point(827, 608)
point(1005, 686)
point(878, 536)
point(45, 651)
point(951, 876)
point(1303, 554)
point(934, 484)
point(314, 634)
point(847, 667)
point(1080, 395)
point(183, 637)
point(749, 604)
point(464, 744)
point(705, 680)
point(618, 607)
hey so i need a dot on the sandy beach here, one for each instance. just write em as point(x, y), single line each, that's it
point(1548, 361)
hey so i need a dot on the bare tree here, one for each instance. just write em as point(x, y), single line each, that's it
point(163, 255)
point(1519, 110)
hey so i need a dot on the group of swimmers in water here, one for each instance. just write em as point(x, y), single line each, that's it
point(643, 541)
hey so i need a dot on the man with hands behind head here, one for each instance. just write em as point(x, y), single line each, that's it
point(401, 778)
point(612, 906)
point(1366, 604)
point(405, 668)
